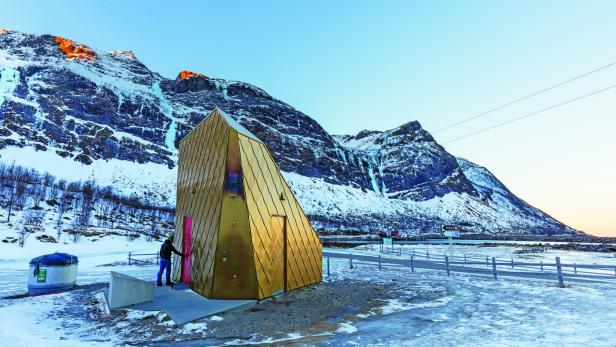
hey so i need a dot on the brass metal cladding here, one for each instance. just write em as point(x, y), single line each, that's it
point(251, 238)
point(234, 271)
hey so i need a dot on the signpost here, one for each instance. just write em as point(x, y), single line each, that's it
point(450, 231)
point(451, 234)
point(388, 241)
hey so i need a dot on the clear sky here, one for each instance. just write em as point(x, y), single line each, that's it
point(356, 65)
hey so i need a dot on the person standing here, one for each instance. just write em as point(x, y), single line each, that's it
point(165, 261)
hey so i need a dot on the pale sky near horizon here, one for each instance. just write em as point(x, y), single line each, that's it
point(354, 65)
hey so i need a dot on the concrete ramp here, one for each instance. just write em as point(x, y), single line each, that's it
point(126, 290)
point(183, 305)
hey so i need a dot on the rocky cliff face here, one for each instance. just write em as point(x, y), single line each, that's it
point(83, 112)
point(408, 163)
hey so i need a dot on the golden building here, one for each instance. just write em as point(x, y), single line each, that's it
point(236, 215)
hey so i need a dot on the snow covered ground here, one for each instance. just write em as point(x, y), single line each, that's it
point(461, 310)
point(471, 311)
point(92, 255)
point(33, 321)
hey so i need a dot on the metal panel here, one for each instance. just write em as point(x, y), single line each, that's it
point(209, 197)
point(271, 192)
point(262, 264)
point(234, 269)
point(261, 208)
point(244, 246)
point(200, 180)
point(278, 258)
point(270, 204)
point(300, 233)
point(270, 195)
point(261, 239)
point(299, 224)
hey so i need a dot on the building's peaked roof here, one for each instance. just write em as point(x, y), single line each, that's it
point(236, 125)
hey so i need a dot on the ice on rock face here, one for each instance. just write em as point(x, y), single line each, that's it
point(167, 110)
point(170, 135)
point(341, 154)
point(222, 86)
point(373, 181)
point(9, 80)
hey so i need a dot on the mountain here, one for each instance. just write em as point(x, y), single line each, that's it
point(80, 113)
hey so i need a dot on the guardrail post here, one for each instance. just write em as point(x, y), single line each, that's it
point(487, 263)
point(512, 262)
point(447, 264)
point(328, 266)
point(350, 261)
point(465, 259)
point(559, 270)
point(541, 266)
point(494, 267)
point(574, 268)
point(399, 251)
point(379, 261)
point(412, 263)
point(129, 253)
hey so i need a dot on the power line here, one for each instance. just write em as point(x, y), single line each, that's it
point(524, 98)
point(529, 114)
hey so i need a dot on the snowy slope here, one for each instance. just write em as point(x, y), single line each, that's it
point(487, 200)
point(81, 113)
point(348, 208)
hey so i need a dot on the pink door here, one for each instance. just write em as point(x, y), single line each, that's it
point(186, 248)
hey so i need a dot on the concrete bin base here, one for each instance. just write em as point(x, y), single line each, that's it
point(126, 290)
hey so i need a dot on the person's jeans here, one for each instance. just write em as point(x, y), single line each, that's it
point(165, 264)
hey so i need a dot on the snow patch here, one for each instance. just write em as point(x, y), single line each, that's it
point(346, 328)
point(194, 327)
point(139, 314)
point(9, 80)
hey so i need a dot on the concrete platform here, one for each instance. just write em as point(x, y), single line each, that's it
point(126, 290)
point(183, 305)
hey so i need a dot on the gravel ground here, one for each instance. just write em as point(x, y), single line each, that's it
point(311, 309)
